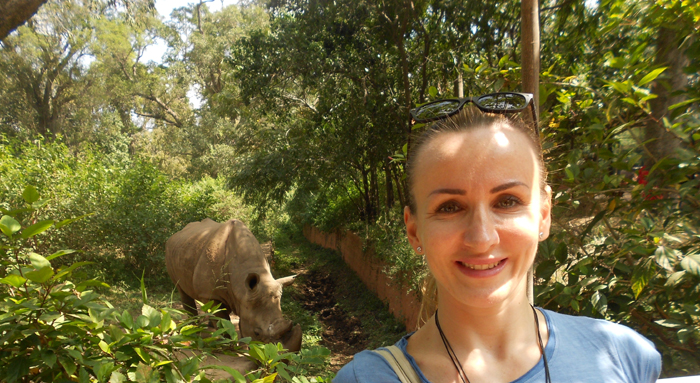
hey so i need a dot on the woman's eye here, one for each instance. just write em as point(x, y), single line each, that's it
point(449, 207)
point(508, 202)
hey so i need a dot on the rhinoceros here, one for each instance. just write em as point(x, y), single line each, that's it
point(224, 262)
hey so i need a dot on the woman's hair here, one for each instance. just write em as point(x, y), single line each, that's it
point(466, 120)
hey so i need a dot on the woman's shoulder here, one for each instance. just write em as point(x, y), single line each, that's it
point(596, 329)
point(586, 337)
point(366, 366)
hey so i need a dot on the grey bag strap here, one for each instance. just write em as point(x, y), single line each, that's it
point(397, 360)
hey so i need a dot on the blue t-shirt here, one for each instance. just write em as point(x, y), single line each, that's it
point(579, 350)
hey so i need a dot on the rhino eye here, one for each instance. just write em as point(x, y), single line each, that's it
point(252, 281)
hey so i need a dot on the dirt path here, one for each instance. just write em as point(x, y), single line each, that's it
point(342, 333)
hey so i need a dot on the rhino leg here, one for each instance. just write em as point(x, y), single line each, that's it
point(188, 302)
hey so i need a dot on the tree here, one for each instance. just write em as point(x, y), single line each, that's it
point(42, 65)
point(14, 13)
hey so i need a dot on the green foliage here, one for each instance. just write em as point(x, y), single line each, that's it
point(625, 239)
point(55, 330)
point(130, 207)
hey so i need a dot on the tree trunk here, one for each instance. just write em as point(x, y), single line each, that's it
point(660, 142)
point(530, 14)
point(389, 185)
point(531, 50)
point(14, 13)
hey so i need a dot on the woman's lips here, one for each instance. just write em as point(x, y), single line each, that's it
point(483, 270)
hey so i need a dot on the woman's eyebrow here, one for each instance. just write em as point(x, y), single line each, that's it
point(508, 185)
point(448, 191)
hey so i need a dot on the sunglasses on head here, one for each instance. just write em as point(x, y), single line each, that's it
point(503, 102)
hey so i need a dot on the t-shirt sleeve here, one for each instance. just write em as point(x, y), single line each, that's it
point(366, 366)
point(638, 355)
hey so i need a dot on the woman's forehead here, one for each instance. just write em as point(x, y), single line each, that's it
point(489, 149)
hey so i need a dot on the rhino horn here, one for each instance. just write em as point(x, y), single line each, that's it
point(286, 281)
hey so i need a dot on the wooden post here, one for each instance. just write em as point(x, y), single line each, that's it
point(530, 61)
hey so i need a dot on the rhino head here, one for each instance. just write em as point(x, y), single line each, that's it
point(260, 312)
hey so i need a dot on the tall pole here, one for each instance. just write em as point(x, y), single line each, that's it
point(530, 61)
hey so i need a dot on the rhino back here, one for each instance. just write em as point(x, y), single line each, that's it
point(195, 258)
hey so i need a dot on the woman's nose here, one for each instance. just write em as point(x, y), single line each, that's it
point(480, 229)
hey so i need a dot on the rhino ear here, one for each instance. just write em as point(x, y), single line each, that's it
point(252, 281)
point(286, 281)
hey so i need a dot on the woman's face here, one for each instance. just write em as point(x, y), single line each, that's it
point(479, 212)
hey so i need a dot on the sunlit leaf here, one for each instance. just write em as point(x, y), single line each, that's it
point(13, 280)
point(691, 264)
point(9, 225)
point(600, 302)
point(36, 228)
point(38, 261)
point(651, 76)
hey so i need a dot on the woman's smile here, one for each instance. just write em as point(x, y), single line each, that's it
point(484, 270)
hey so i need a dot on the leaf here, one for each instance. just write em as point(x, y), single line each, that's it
point(38, 261)
point(674, 278)
point(104, 347)
point(144, 296)
point(144, 355)
point(30, 194)
point(117, 377)
point(40, 276)
point(9, 225)
point(432, 91)
point(561, 253)
point(40, 203)
point(670, 323)
point(666, 257)
point(503, 61)
point(651, 76)
point(640, 278)
point(36, 228)
point(13, 280)
point(683, 103)
point(71, 220)
point(62, 272)
point(60, 253)
point(600, 302)
point(237, 377)
point(691, 264)
point(595, 220)
point(17, 369)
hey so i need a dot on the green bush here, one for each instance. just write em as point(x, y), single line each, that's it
point(132, 207)
point(55, 330)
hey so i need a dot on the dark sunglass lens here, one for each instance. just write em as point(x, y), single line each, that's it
point(502, 102)
point(436, 109)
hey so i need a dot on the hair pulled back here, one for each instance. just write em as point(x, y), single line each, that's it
point(468, 119)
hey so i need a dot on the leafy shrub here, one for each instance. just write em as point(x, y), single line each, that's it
point(133, 207)
point(54, 330)
point(625, 242)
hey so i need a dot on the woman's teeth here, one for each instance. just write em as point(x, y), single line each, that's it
point(481, 267)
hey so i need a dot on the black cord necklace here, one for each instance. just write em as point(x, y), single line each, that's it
point(458, 365)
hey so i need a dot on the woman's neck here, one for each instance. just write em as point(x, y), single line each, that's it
point(495, 328)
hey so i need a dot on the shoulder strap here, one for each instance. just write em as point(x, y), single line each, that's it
point(397, 360)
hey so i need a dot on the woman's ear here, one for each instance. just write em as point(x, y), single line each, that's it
point(546, 212)
point(411, 228)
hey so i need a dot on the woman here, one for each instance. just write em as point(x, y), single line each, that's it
point(479, 206)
